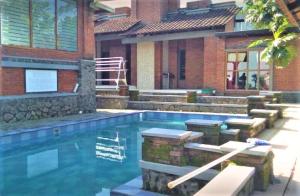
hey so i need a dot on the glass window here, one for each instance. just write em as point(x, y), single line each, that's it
point(15, 23)
point(247, 73)
point(253, 60)
point(181, 61)
point(43, 24)
point(53, 23)
point(67, 25)
point(241, 25)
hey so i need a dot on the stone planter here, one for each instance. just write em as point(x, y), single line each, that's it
point(123, 90)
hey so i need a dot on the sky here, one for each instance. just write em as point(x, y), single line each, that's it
point(126, 3)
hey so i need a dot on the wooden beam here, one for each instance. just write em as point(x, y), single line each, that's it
point(282, 5)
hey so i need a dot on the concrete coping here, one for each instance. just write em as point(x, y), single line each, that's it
point(269, 92)
point(230, 181)
point(255, 151)
point(112, 97)
point(201, 122)
point(230, 131)
point(262, 111)
point(256, 97)
point(240, 121)
point(203, 147)
point(195, 135)
point(178, 170)
point(167, 133)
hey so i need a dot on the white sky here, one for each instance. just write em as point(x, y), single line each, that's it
point(127, 3)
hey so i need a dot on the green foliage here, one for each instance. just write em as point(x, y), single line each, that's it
point(265, 14)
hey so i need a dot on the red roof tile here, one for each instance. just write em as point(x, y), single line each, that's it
point(183, 21)
point(117, 25)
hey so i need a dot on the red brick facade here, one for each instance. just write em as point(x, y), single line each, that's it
point(12, 79)
point(206, 56)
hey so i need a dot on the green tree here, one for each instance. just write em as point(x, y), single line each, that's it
point(265, 14)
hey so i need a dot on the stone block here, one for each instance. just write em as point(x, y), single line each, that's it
point(112, 102)
point(134, 95)
point(270, 115)
point(166, 145)
point(191, 96)
point(260, 157)
point(279, 107)
point(210, 128)
point(256, 102)
point(229, 135)
point(248, 127)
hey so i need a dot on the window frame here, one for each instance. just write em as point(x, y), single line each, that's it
point(55, 31)
point(247, 70)
point(181, 76)
point(40, 92)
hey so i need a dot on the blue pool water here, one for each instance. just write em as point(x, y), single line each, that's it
point(79, 159)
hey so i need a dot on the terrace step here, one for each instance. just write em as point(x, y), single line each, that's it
point(231, 181)
point(107, 92)
point(189, 107)
point(270, 115)
point(222, 100)
point(248, 127)
point(163, 98)
point(279, 107)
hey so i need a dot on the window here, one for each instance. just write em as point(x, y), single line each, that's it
point(241, 25)
point(181, 64)
point(43, 24)
point(246, 71)
point(48, 24)
point(67, 25)
point(15, 23)
point(40, 80)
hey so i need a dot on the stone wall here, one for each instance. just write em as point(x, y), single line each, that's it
point(112, 102)
point(188, 107)
point(291, 97)
point(33, 107)
point(222, 100)
point(38, 106)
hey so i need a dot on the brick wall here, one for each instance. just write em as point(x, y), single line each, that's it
point(67, 80)
point(288, 79)
point(152, 10)
point(198, 4)
point(12, 81)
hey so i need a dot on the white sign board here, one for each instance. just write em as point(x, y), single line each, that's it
point(41, 81)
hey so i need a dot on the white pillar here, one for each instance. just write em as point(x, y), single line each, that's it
point(145, 65)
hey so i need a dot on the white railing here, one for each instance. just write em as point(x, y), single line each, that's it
point(114, 65)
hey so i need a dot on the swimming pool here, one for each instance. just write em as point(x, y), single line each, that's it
point(80, 158)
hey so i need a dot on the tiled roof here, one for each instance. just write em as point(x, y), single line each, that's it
point(185, 21)
point(117, 25)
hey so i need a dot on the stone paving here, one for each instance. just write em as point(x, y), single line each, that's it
point(285, 137)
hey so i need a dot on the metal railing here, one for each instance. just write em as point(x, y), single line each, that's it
point(115, 65)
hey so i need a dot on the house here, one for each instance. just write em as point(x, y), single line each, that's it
point(46, 59)
point(43, 43)
point(203, 45)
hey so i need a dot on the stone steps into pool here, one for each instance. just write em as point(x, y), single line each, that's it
point(188, 107)
point(248, 127)
point(270, 115)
